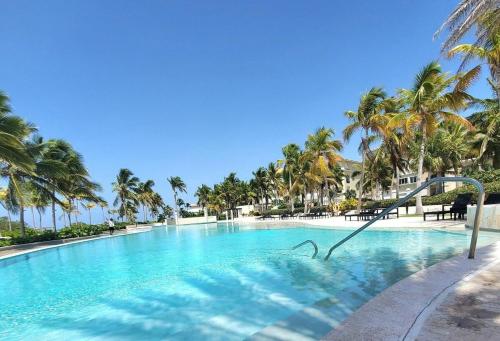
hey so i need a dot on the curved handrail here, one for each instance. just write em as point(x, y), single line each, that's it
point(305, 242)
point(475, 231)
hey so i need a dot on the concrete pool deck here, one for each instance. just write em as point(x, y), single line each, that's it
point(457, 299)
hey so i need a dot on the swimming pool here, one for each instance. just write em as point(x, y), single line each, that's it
point(206, 281)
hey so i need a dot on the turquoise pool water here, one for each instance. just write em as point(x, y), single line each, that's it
point(217, 282)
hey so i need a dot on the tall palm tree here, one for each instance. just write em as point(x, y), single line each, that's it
point(489, 53)
point(323, 154)
point(362, 120)
point(13, 131)
point(261, 184)
point(484, 15)
point(89, 206)
point(5, 202)
point(274, 178)
point(177, 185)
point(203, 193)
point(428, 103)
point(291, 154)
point(125, 187)
point(103, 204)
point(145, 195)
point(487, 123)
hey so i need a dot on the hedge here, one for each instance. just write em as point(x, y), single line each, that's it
point(73, 231)
point(439, 199)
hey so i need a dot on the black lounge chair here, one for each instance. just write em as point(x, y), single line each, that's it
point(493, 199)
point(363, 215)
point(458, 209)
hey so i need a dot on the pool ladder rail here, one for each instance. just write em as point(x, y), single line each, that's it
point(477, 217)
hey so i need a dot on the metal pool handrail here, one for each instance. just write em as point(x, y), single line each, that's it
point(477, 217)
point(304, 243)
point(475, 231)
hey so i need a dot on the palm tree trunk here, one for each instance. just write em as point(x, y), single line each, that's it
point(69, 217)
point(33, 216)
point(397, 183)
point(54, 214)
point(10, 220)
point(103, 216)
point(90, 217)
point(176, 213)
point(420, 171)
point(362, 177)
point(21, 218)
point(290, 192)
point(39, 217)
point(305, 200)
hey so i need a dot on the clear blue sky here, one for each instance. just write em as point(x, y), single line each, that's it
point(202, 88)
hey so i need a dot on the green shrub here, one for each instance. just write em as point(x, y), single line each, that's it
point(486, 176)
point(33, 236)
point(438, 199)
point(81, 230)
point(347, 205)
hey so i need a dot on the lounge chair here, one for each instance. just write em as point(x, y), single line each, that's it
point(363, 215)
point(458, 209)
point(493, 199)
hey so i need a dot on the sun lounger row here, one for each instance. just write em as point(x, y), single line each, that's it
point(369, 214)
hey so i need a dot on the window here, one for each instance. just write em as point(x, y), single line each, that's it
point(413, 179)
point(403, 181)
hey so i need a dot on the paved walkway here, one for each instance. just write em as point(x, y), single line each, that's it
point(470, 312)
point(457, 299)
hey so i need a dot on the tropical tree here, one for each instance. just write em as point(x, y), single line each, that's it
point(89, 206)
point(103, 204)
point(323, 154)
point(260, 184)
point(203, 194)
point(487, 138)
point(125, 187)
point(290, 162)
point(145, 194)
point(177, 185)
point(484, 15)
point(428, 103)
point(230, 192)
point(274, 179)
point(362, 120)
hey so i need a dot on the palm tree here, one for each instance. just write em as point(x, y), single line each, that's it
point(203, 193)
point(482, 14)
point(72, 180)
point(89, 206)
point(291, 153)
point(487, 123)
point(322, 152)
point(260, 183)
point(230, 192)
point(125, 187)
point(394, 141)
point(13, 131)
point(176, 184)
point(274, 179)
point(103, 204)
point(362, 120)
point(427, 104)
point(489, 53)
point(145, 195)
point(4, 201)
